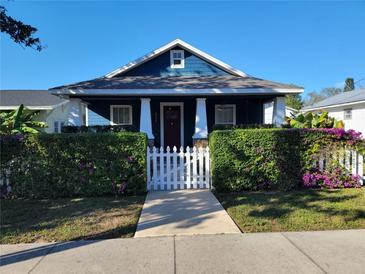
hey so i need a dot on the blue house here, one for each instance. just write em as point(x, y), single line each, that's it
point(176, 94)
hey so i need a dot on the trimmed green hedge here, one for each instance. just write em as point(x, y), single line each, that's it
point(99, 129)
point(252, 159)
point(241, 126)
point(82, 164)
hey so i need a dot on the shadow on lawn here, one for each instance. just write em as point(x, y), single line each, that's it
point(272, 205)
point(24, 216)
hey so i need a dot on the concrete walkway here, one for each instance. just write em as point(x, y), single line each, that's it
point(297, 252)
point(183, 212)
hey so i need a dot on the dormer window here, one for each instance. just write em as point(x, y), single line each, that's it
point(177, 59)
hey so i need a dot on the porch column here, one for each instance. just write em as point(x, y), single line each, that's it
point(145, 124)
point(74, 117)
point(201, 127)
point(268, 109)
point(279, 111)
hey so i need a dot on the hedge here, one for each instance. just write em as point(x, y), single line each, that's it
point(241, 126)
point(82, 164)
point(252, 159)
point(99, 129)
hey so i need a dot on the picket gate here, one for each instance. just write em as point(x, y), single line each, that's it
point(351, 160)
point(172, 169)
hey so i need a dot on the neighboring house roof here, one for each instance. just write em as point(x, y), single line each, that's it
point(291, 109)
point(119, 82)
point(31, 99)
point(343, 99)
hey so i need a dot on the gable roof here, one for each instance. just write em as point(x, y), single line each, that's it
point(345, 98)
point(119, 82)
point(31, 99)
point(167, 47)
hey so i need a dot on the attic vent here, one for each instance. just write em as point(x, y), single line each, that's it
point(177, 59)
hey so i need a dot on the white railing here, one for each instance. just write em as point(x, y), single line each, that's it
point(352, 160)
point(167, 170)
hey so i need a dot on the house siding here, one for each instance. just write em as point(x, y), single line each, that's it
point(357, 120)
point(99, 110)
point(189, 117)
point(160, 66)
point(249, 110)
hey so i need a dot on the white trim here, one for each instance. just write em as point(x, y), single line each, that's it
point(178, 91)
point(183, 45)
point(35, 107)
point(162, 105)
point(86, 115)
point(130, 122)
point(182, 59)
point(291, 109)
point(333, 106)
point(225, 105)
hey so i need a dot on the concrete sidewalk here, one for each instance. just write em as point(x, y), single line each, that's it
point(183, 212)
point(296, 252)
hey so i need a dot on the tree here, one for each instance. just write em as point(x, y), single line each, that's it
point(328, 92)
point(349, 84)
point(20, 120)
point(19, 32)
point(294, 101)
point(314, 97)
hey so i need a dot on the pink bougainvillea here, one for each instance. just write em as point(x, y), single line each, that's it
point(336, 178)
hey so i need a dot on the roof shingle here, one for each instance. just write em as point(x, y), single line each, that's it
point(30, 98)
point(183, 82)
point(339, 99)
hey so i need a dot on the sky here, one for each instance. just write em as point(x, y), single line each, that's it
point(307, 43)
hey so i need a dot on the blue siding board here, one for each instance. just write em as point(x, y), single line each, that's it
point(248, 111)
point(99, 110)
point(96, 119)
point(160, 66)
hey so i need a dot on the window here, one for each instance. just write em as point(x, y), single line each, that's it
point(347, 114)
point(57, 126)
point(120, 115)
point(177, 59)
point(225, 114)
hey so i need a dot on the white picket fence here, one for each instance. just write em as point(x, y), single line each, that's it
point(352, 160)
point(168, 170)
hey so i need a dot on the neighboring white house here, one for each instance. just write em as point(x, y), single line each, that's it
point(53, 110)
point(290, 112)
point(348, 107)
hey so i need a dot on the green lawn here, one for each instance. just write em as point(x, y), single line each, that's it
point(297, 210)
point(28, 221)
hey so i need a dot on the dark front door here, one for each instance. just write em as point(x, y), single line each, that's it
point(172, 125)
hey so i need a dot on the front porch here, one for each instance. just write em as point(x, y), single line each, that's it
point(180, 121)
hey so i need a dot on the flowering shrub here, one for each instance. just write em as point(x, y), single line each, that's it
point(11, 148)
point(255, 159)
point(350, 136)
point(336, 178)
point(82, 164)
